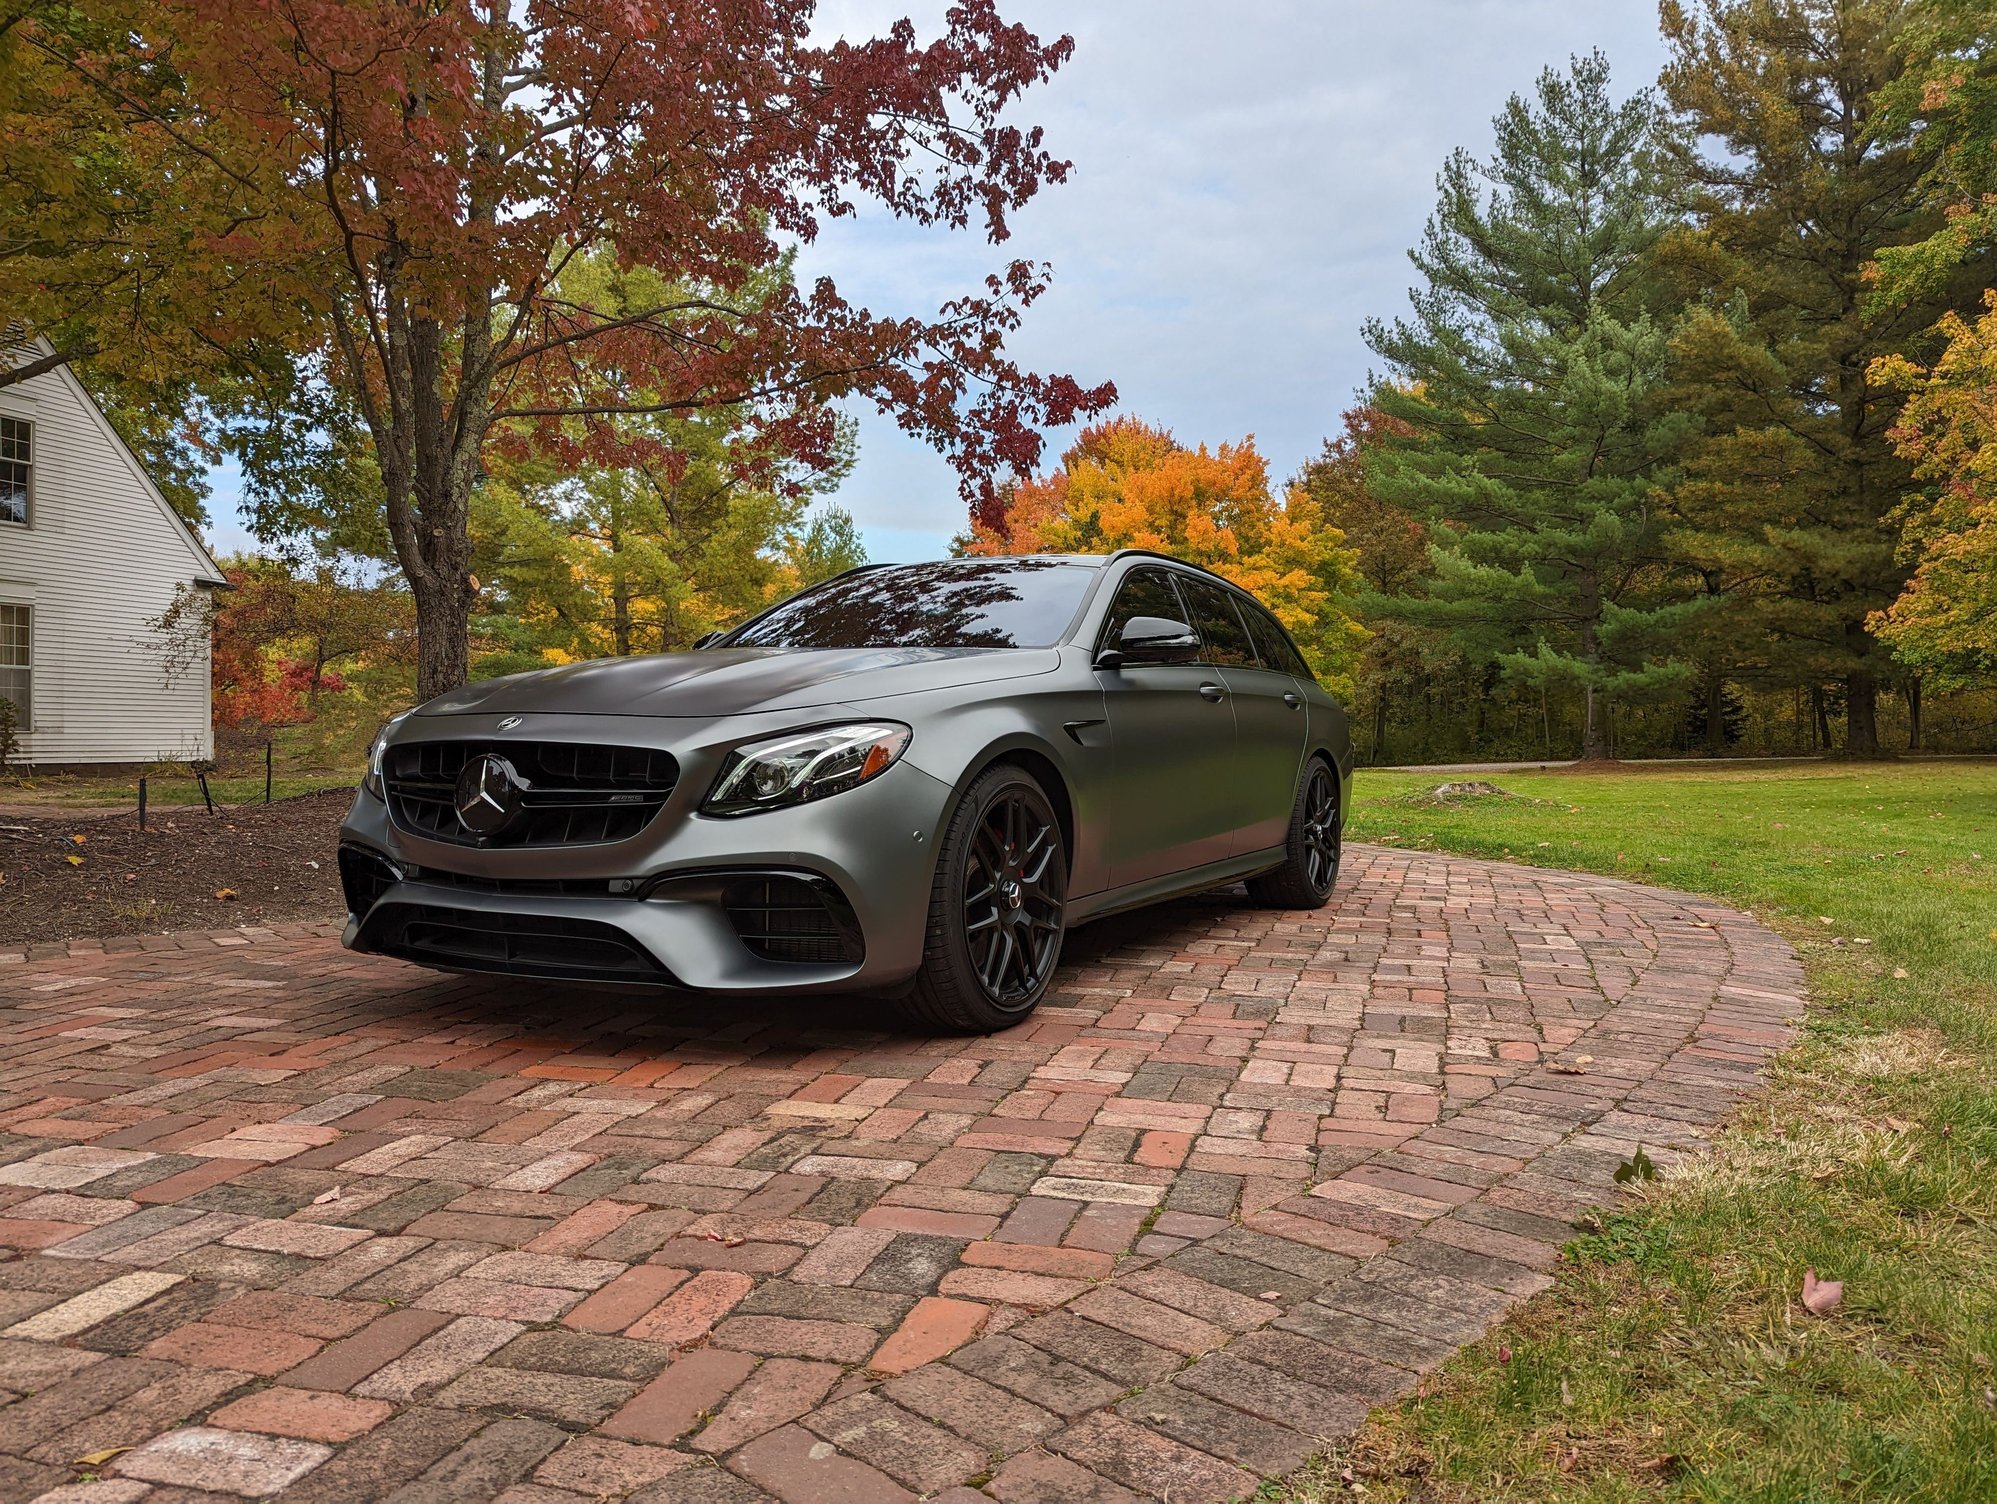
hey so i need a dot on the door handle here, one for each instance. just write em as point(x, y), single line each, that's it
point(1212, 692)
point(1294, 701)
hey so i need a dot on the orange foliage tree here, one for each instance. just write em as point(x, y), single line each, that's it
point(1128, 484)
point(1945, 621)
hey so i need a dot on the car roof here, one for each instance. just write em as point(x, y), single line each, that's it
point(1087, 561)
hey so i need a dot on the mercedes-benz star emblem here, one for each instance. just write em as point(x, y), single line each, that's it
point(509, 723)
point(487, 795)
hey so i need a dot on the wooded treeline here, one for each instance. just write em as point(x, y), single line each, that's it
point(1688, 439)
point(1685, 444)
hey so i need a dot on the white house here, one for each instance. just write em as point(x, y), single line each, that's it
point(90, 555)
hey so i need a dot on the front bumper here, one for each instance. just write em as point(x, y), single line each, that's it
point(665, 907)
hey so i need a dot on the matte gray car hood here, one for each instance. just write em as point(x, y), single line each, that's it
point(731, 681)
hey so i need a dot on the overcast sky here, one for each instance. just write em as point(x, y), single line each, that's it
point(1248, 176)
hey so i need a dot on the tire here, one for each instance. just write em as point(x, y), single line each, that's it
point(1311, 850)
point(997, 909)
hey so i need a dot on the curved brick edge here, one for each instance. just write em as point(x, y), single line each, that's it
point(17, 953)
point(1238, 1347)
point(1250, 1350)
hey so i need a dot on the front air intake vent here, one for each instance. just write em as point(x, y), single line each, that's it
point(795, 919)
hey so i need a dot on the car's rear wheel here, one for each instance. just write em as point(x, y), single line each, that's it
point(1312, 849)
point(997, 910)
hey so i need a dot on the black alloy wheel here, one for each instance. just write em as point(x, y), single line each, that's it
point(1323, 832)
point(1312, 849)
point(997, 910)
point(1014, 890)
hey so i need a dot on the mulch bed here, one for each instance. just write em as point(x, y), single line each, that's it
point(74, 875)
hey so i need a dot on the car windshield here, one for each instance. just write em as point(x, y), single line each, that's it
point(983, 603)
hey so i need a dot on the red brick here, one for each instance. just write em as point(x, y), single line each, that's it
point(240, 1347)
point(673, 1403)
point(1035, 1258)
point(935, 1326)
point(777, 1393)
point(942, 1224)
point(305, 1315)
point(792, 1464)
point(344, 1364)
point(626, 1298)
point(308, 1413)
point(192, 1182)
point(690, 1312)
point(1163, 1149)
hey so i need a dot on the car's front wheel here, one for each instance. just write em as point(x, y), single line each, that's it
point(997, 910)
point(1312, 849)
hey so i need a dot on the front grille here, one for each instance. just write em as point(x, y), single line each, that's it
point(577, 793)
point(364, 877)
point(793, 919)
point(517, 944)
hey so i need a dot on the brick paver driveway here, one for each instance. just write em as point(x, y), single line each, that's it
point(285, 1221)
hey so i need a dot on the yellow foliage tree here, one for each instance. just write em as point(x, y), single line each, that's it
point(1945, 621)
point(1129, 484)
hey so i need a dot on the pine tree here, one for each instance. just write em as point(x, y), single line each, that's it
point(1527, 374)
point(1798, 180)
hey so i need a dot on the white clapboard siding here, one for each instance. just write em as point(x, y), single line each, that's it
point(100, 558)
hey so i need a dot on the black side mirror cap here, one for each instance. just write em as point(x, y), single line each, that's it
point(1151, 639)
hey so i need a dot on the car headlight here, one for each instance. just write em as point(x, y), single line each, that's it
point(798, 768)
point(371, 779)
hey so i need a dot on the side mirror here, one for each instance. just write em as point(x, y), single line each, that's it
point(707, 641)
point(1151, 639)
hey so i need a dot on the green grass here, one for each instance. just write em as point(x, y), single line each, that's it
point(1673, 1359)
point(60, 791)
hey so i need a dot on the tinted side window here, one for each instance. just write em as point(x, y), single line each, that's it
point(1220, 629)
point(1274, 644)
point(1144, 592)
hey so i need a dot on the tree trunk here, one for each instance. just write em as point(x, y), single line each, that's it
point(1822, 715)
point(1593, 746)
point(1716, 713)
point(1861, 725)
point(1379, 725)
point(1594, 743)
point(1913, 693)
point(443, 636)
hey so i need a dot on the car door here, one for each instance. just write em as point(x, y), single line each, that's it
point(1269, 717)
point(1172, 737)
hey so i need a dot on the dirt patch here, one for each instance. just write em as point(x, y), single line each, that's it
point(66, 877)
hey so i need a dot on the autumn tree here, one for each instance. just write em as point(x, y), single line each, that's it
point(1945, 623)
point(1398, 657)
point(414, 182)
point(1946, 103)
point(1525, 376)
point(1799, 181)
point(1128, 484)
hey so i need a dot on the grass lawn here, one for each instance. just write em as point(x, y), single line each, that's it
point(1674, 1359)
point(58, 791)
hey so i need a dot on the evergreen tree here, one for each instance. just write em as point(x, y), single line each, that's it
point(1526, 375)
point(1799, 180)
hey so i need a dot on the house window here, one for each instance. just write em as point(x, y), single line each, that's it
point(16, 470)
point(16, 682)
